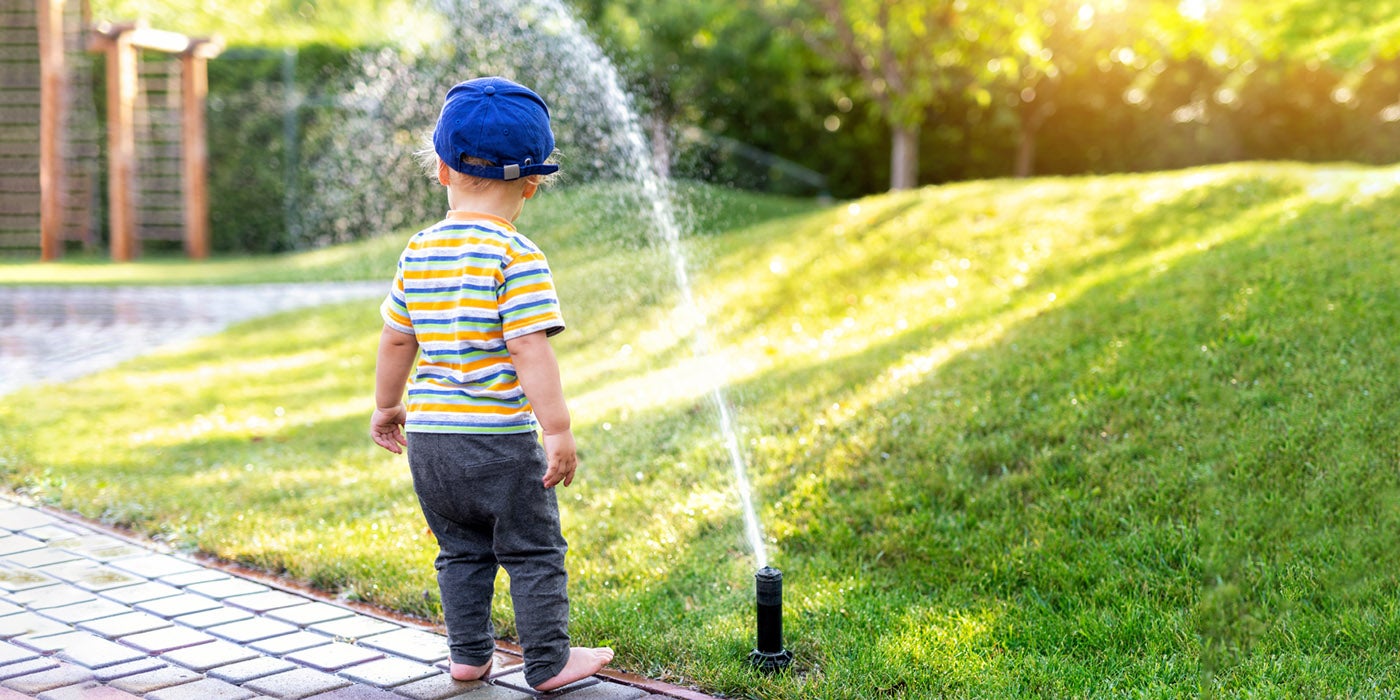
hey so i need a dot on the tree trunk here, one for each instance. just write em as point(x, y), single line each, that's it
point(904, 158)
point(1025, 150)
point(661, 144)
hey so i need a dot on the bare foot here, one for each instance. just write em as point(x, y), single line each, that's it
point(463, 672)
point(583, 662)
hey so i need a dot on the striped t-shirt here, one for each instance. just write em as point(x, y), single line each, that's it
point(464, 287)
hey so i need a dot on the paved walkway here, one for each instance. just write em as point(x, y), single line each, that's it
point(86, 612)
point(89, 613)
point(56, 333)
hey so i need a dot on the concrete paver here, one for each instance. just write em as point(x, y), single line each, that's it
point(166, 640)
point(334, 656)
point(389, 672)
point(26, 667)
point(131, 668)
point(124, 624)
point(244, 671)
point(91, 651)
point(205, 657)
point(412, 644)
point(253, 629)
point(56, 677)
point(217, 617)
point(151, 681)
point(288, 643)
point(141, 592)
point(53, 596)
point(296, 683)
point(202, 689)
point(86, 691)
point(309, 613)
point(439, 687)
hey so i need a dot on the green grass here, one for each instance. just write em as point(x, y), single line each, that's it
point(1128, 436)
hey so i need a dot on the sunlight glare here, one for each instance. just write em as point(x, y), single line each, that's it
point(1196, 10)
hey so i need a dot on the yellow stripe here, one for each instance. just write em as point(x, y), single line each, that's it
point(529, 289)
point(530, 321)
point(430, 243)
point(449, 337)
point(448, 305)
point(459, 408)
point(432, 274)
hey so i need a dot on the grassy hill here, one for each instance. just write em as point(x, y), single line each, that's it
point(1115, 436)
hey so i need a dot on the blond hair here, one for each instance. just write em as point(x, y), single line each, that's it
point(428, 159)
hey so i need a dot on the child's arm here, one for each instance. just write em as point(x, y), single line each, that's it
point(396, 353)
point(539, 377)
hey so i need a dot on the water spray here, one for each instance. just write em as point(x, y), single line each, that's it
point(769, 655)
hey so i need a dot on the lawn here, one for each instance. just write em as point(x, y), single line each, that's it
point(1116, 436)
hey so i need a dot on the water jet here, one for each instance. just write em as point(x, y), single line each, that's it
point(768, 654)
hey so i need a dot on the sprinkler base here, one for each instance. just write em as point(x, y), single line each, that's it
point(770, 661)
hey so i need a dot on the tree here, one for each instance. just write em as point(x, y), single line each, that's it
point(904, 56)
point(717, 72)
point(1052, 39)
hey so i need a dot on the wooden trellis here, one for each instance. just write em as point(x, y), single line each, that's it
point(49, 139)
point(164, 193)
point(156, 152)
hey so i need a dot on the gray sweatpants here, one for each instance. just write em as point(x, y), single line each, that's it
point(484, 499)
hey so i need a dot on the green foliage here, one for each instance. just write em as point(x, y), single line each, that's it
point(1117, 436)
point(268, 110)
point(744, 89)
point(344, 23)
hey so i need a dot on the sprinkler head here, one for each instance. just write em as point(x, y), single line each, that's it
point(769, 655)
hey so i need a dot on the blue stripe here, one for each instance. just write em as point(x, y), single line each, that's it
point(475, 424)
point(459, 352)
point(526, 274)
point(422, 373)
point(478, 320)
point(453, 288)
point(517, 401)
point(522, 307)
point(474, 254)
point(471, 352)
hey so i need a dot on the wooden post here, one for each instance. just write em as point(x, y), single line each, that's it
point(52, 104)
point(194, 86)
point(121, 139)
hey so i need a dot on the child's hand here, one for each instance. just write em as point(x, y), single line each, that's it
point(386, 428)
point(563, 458)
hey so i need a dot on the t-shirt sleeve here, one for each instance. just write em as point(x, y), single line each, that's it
point(526, 297)
point(394, 310)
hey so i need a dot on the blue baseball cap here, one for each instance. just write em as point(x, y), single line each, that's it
point(495, 120)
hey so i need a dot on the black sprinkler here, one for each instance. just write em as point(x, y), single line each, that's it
point(770, 655)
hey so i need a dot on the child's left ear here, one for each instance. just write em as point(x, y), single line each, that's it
point(443, 175)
